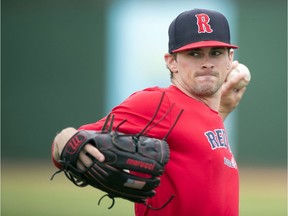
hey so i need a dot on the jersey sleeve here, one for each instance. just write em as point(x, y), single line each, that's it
point(147, 108)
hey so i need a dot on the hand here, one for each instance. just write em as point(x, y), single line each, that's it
point(233, 89)
point(60, 141)
point(84, 161)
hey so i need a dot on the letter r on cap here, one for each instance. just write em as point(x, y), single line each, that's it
point(203, 23)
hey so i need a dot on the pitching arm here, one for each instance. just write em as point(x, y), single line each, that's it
point(234, 88)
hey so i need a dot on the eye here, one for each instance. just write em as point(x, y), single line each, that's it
point(194, 53)
point(216, 52)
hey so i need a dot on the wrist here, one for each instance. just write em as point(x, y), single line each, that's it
point(224, 113)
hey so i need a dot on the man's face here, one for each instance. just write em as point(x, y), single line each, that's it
point(201, 72)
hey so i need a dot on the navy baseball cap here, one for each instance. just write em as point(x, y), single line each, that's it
point(199, 28)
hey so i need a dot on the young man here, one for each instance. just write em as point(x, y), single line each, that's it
point(202, 173)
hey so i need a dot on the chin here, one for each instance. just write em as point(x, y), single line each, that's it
point(206, 91)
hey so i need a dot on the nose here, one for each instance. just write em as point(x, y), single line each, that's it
point(207, 63)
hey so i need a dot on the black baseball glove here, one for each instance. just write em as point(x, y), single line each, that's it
point(132, 166)
point(124, 154)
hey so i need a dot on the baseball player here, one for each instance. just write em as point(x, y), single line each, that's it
point(206, 85)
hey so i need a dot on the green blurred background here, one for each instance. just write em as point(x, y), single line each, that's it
point(53, 76)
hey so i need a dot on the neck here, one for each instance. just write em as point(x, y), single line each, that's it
point(212, 101)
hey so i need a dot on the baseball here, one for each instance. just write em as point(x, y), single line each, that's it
point(240, 69)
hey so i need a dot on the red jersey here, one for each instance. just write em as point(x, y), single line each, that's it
point(201, 173)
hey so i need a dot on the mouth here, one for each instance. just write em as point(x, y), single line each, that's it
point(206, 73)
point(206, 77)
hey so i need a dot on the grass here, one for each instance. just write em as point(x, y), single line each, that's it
point(263, 192)
point(27, 191)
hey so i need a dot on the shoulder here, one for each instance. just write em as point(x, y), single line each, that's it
point(148, 92)
point(146, 98)
point(140, 108)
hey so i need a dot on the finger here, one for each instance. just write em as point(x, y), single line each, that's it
point(93, 151)
point(85, 159)
point(232, 66)
point(235, 64)
point(238, 95)
point(80, 165)
point(233, 83)
point(240, 92)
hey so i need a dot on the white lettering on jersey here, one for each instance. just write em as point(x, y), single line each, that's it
point(217, 139)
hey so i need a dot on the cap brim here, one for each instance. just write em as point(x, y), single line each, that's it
point(204, 44)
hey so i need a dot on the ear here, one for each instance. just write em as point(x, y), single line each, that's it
point(171, 62)
point(230, 60)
